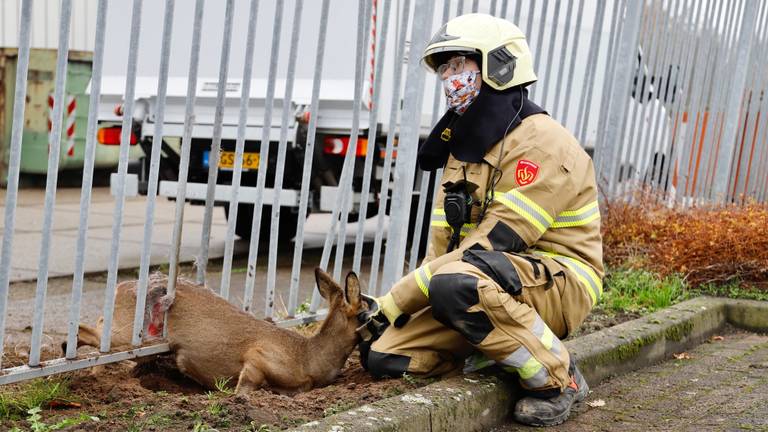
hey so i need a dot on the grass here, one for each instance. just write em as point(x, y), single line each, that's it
point(36, 423)
point(17, 402)
point(734, 289)
point(630, 290)
point(644, 291)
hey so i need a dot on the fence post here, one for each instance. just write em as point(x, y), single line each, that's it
point(14, 161)
point(407, 150)
point(605, 150)
point(733, 108)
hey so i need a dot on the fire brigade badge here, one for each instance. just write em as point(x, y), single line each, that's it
point(526, 172)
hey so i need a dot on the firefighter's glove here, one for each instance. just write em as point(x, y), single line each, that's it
point(382, 311)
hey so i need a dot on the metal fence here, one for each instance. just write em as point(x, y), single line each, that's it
point(683, 117)
point(667, 93)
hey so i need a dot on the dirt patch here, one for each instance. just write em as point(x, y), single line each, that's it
point(154, 395)
point(599, 319)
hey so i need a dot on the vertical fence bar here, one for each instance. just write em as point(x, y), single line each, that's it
point(213, 156)
point(459, 7)
point(475, 5)
point(341, 210)
point(253, 250)
point(54, 151)
point(705, 133)
point(349, 160)
point(729, 38)
point(373, 118)
point(572, 67)
point(664, 82)
point(423, 192)
point(550, 52)
point(242, 122)
point(687, 73)
point(655, 103)
point(642, 92)
point(122, 170)
point(563, 55)
point(529, 22)
point(14, 162)
point(758, 64)
point(406, 160)
point(739, 77)
point(622, 78)
point(85, 193)
point(154, 172)
point(657, 135)
point(298, 248)
point(763, 110)
point(393, 127)
point(503, 12)
point(582, 121)
point(186, 144)
point(264, 158)
point(610, 62)
point(539, 42)
point(518, 11)
point(425, 177)
point(281, 150)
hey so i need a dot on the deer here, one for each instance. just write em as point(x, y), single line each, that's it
point(212, 340)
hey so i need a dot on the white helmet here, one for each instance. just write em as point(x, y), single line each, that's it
point(506, 58)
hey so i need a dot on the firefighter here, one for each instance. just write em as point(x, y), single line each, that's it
point(514, 262)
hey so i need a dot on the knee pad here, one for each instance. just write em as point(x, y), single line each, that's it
point(383, 365)
point(451, 295)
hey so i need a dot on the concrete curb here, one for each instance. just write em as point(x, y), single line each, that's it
point(477, 402)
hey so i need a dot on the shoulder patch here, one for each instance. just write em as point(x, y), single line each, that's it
point(526, 172)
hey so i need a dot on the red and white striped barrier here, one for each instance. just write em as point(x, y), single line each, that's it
point(69, 124)
point(373, 54)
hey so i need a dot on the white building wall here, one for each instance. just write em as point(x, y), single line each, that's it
point(45, 24)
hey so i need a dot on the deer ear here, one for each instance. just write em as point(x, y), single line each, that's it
point(352, 289)
point(325, 284)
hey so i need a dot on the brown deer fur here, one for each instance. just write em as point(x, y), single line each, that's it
point(212, 339)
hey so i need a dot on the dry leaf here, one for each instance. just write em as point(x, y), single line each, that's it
point(62, 404)
point(717, 338)
point(596, 403)
point(682, 356)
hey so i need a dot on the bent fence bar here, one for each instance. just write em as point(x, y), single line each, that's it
point(667, 95)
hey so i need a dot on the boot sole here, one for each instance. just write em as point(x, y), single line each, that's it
point(554, 421)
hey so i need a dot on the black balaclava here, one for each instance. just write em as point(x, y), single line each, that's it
point(469, 136)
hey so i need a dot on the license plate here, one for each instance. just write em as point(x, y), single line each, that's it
point(250, 160)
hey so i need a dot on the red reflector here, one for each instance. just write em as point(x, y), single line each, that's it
point(111, 136)
point(338, 145)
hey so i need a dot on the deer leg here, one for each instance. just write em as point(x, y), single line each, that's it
point(251, 378)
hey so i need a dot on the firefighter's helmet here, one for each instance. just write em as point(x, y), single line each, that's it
point(506, 58)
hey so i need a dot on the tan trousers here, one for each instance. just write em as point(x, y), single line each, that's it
point(472, 309)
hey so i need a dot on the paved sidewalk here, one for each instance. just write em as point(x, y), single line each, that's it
point(29, 223)
point(722, 386)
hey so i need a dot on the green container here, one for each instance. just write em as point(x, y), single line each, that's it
point(40, 85)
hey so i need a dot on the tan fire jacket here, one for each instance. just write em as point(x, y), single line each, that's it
point(545, 196)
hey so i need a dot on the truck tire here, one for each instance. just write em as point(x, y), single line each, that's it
point(244, 224)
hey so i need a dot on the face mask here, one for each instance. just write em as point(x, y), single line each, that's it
point(461, 90)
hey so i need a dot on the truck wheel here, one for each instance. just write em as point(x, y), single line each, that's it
point(243, 226)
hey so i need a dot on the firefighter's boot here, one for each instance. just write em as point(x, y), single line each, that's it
point(535, 411)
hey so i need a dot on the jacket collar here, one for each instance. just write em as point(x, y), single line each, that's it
point(470, 137)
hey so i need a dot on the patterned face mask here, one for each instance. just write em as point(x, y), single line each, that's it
point(461, 90)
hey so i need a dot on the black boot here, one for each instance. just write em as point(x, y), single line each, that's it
point(535, 411)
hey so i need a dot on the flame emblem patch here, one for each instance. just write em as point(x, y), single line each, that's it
point(526, 172)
